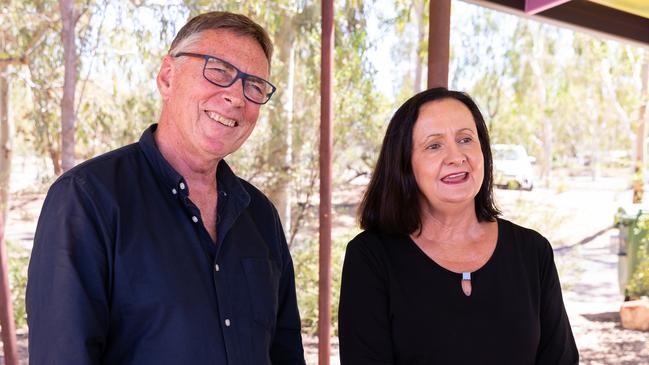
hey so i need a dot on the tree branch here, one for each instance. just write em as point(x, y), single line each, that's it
point(22, 60)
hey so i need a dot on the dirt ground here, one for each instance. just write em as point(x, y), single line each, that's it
point(576, 214)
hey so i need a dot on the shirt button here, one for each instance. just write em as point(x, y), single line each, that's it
point(174, 191)
point(182, 186)
point(194, 219)
point(227, 322)
point(216, 267)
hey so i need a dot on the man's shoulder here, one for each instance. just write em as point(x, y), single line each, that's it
point(257, 197)
point(120, 158)
point(103, 168)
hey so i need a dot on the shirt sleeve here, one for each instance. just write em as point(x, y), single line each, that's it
point(363, 319)
point(286, 348)
point(557, 345)
point(67, 305)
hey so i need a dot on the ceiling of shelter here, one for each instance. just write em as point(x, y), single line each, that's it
point(637, 7)
point(623, 20)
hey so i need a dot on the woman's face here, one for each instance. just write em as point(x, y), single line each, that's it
point(446, 157)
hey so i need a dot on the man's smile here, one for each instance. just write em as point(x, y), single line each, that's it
point(221, 119)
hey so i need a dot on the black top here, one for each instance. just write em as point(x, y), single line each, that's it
point(397, 306)
point(124, 272)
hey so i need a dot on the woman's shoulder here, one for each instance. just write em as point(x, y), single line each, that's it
point(375, 242)
point(376, 237)
point(522, 237)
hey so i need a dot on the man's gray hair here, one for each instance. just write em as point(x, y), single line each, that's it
point(237, 23)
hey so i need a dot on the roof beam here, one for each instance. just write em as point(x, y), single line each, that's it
point(536, 6)
point(583, 16)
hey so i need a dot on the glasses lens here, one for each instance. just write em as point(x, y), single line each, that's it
point(224, 74)
point(257, 89)
point(219, 72)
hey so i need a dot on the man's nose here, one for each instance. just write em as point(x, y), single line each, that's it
point(234, 94)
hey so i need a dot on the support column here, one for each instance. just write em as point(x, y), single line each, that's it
point(439, 29)
point(326, 145)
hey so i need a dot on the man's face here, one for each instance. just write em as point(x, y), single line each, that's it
point(209, 121)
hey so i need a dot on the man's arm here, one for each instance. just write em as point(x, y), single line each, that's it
point(67, 301)
point(287, 342)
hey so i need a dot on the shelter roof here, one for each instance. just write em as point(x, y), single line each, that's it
point(623, 20)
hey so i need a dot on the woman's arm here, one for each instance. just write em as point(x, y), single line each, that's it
point(364, 320)
point(557, 345)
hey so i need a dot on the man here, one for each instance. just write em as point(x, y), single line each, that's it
point(156, 253)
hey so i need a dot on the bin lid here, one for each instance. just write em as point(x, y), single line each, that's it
point(629, 212)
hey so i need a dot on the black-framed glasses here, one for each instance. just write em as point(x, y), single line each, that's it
point(223, 74)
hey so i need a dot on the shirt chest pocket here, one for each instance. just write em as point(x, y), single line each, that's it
point(262, 278)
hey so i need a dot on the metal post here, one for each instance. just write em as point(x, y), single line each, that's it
point(9, 346)
point(326, 117)
point(439, 29)
point(6, 308)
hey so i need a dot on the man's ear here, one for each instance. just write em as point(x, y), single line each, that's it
point(165, 77)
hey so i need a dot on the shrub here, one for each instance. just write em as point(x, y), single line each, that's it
point(638, 285)
point(18, 259)
point(305, 260)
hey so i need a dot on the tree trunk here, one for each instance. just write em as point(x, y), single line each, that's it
point(421, 34)
point(5, 143)
point(596, 155)
point(280, 193)
point(6, 307)
point(643, 115)
point(55, 156)
point(537, 65)
point(69, 83)
point(609, 94)
point(285, 188)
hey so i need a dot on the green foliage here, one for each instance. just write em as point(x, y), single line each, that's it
point(305, 260)
point(550, 89)
point(17, 262)
point(638, 285)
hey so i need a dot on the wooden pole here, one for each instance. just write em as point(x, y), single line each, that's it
point(638, 176)
point(326, 145)
point(439, 29)
point(7, 324)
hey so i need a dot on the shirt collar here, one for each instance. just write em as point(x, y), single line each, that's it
point(169, 177)
point(228, 183)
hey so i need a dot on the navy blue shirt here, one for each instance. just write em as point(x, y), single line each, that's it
point(124, 272)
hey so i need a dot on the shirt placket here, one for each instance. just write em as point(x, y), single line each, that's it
point(224, 306)
point(220, 288)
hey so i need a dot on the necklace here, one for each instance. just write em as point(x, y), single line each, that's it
point(466, 283)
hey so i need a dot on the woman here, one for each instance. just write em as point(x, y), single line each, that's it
point(436, 277)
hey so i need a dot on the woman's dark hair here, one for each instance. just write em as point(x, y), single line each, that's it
point(391, 202)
